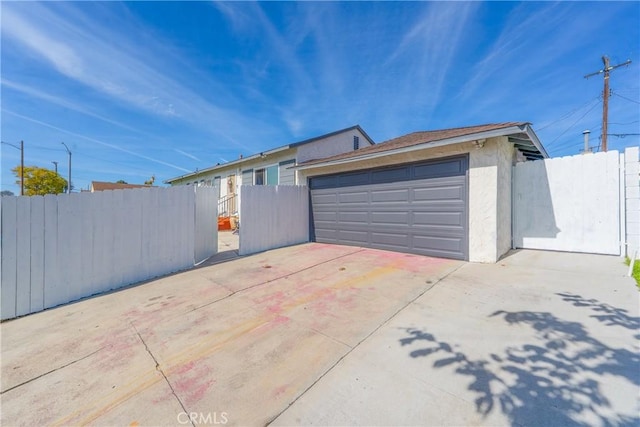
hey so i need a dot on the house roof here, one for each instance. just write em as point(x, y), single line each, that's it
point(271, 151)
point(519, 133)
point(101, 186)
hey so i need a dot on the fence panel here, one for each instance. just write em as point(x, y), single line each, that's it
point(631, 193)
point(568, 204)
point(206, 216)
point(52, 262)
point(57, 249)
point(8, 284)
point(23, 257)
point(273, 217)
point(37, 254)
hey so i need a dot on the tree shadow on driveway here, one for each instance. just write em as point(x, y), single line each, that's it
point(556, 380)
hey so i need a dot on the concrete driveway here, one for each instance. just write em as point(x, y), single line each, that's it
point(332, 335)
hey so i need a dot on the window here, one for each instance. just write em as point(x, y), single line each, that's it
point(266, 176)
point(356, 142)
point(272, 175)
point(259, 176)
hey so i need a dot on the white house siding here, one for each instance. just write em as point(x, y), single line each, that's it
point(336, 144)
point(485, 199)
point(287, 173)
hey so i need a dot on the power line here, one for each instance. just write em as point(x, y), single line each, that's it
point(624, 97)
point(569, 114)
point(622, 124)
point(574, 123)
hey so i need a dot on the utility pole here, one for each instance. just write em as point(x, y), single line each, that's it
point(21, 168)
point(69, 183)
point(605, 94)
point(56, 165)
point(21, 148)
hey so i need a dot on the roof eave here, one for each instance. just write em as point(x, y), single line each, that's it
point(225, 165)
point(536, 141)
point(441, 143)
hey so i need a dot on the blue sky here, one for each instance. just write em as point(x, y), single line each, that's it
point(162, 88)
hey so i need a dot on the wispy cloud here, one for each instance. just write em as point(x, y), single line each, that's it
point(63, 102)
point(97, 141)
point(99, 57)
point(429, 47)
point(184, 153)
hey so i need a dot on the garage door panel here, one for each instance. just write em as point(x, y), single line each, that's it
point(353, 236)
point(323, 217)
point(352, 179)
point(324, 198)
point(437, 243)
point(326, 236)
point(445, 168)
point(391, 195)
point(438, 218)
point(439, 193)
point(390, 175)
point(384, 218)
point(394, 210)
point(355, 217)
point(354, 197)
point(394, 239)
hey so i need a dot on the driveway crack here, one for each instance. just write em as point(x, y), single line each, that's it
point(159, 369)
point(51, 371)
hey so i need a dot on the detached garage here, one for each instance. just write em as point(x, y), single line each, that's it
point(443, 193)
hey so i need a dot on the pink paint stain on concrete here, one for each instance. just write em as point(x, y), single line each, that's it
point(193, 381)
point(279, 391)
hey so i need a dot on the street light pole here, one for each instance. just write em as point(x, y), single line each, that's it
point(69, 183)
point(21, 168)
point(56, 165)
point(21, 148)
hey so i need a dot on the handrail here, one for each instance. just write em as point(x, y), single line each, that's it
point(227, 205)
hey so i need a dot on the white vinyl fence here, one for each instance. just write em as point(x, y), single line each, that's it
point(273, 217)
point(583, 203)
point(57, 249)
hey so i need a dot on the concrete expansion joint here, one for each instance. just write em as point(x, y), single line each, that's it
point(266, 282)
point(159, 369)
point(52, 371)
point(351, 349)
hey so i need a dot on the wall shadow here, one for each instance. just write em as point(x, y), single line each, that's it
point(534, 215)
point(556, 380)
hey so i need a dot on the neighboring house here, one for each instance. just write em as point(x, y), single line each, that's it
point(444, 193)
point(275, 166)
point(102, 186)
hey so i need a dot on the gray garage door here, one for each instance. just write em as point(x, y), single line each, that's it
point(417, 208)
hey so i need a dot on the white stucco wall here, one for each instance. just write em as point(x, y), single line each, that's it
point(490, 200)
point(336, 144)
point(489, 205)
